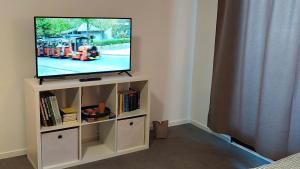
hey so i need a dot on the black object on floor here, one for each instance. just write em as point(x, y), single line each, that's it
point(237, 141)
point(186, 147)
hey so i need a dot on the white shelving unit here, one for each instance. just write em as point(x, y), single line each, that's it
point(94, 140)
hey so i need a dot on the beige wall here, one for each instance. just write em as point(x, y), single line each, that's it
point(155, 25)
point(179, 77)
point(203, 60)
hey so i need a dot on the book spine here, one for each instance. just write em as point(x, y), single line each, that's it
point(48, 116)
point(126, 102)
point(138, 99)
point(118, 104)
point(55, 109)
point(44, 113)
point(44, 110)
point(121, 103)
point(50, 100)
point(135, 100)
point(43, 119)
point(47, 101)
point(131, 102)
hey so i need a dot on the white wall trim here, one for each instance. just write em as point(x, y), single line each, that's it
point(12, 153)
point(192, 54)
point(178, 122)
point(31, 162)
point(201, 126)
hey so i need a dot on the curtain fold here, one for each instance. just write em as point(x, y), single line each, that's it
point(255, 93)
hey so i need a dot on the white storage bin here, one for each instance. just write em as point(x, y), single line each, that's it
point(59, 147)
point(131, 133)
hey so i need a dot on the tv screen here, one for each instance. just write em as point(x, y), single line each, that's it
point(81, 45)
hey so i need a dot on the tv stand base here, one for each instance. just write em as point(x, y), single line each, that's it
point(41, 81)
point(125, 72)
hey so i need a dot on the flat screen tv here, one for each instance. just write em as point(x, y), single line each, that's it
point(82, 45)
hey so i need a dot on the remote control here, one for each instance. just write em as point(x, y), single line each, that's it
point(90, 79)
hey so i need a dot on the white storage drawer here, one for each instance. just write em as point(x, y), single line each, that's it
point(59, 146)
point(131, 133)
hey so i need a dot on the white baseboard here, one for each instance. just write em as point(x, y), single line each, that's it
point(31, 162)
point(175, 123)
point(13, 153)
point(178, 122)
point(201, 126)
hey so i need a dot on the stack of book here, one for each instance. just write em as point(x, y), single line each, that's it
point(128, 100)
point(69, 115)
point(49, 110)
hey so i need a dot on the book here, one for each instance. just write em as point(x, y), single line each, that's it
point(68, 110)
point(68, 120)
point(126, 102)
point(42, 116)
point(50, 111)
point(119, 99)
point(69, 114)
point(121, 103)
point(45, 112)
point(138, 99)
point(55, 109)
point(131, 100)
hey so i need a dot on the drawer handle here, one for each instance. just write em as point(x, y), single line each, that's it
point(131, 123)
point(59, 136)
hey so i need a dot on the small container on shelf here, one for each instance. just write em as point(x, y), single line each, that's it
point(98, 103)
point(96, 113)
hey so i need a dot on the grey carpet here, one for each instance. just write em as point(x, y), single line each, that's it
point(186, 148)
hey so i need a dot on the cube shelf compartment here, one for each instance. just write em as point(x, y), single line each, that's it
point(98, 140)
point(93, 95)
point(142, 88)
point(69, 97)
